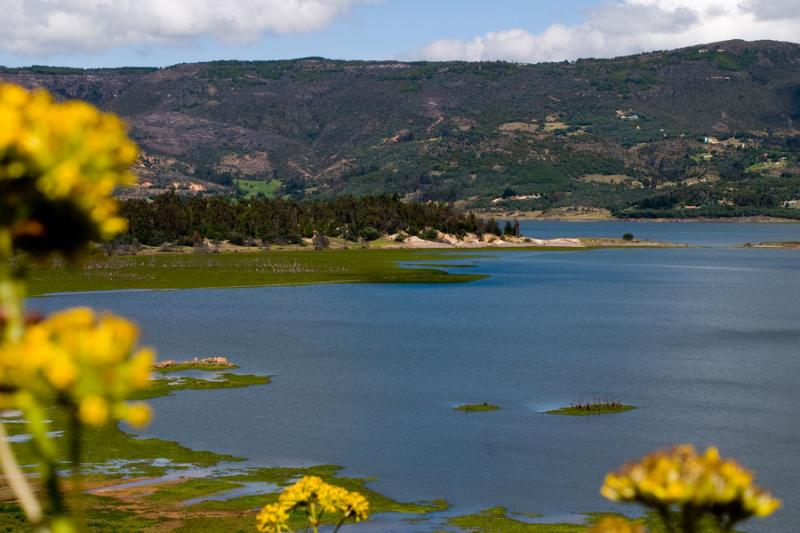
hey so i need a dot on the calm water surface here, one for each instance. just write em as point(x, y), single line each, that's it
point(697, 233)
point(704, 341)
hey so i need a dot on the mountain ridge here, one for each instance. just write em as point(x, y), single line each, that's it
point(708, 125)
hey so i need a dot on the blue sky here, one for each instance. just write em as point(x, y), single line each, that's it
point(104, 33)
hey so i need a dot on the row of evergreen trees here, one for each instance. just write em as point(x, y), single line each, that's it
point(170, 218)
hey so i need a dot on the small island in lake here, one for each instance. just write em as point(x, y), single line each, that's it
point(208, 364)
point(477, 407)
point(602, 407)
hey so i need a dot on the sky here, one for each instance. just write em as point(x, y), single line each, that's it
point(113, 33)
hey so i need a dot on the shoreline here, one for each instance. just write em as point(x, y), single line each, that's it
point(444, 241)
point(603, 215)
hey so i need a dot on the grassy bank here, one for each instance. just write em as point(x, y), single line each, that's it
point(183, 271)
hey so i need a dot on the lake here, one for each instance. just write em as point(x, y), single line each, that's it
point(697, 233)
point(703, 340)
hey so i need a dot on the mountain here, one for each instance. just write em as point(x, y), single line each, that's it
point(715, 125)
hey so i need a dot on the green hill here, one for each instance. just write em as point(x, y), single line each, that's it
point(712, 129)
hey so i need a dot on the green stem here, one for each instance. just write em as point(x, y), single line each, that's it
point(75, 452)
point(314, 518)
point(340, 524)
point(688, 520)
point(12, 326)
point(12, 293)
point(663, 512)
point(46, 452)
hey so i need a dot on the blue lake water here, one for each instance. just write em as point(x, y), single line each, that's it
point(703, 340)
point(697, 233)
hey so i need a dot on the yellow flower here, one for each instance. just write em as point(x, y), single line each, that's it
point(613, 524)
point(93, 411)
point(137, 415)
point(81, 359)
point(681, 477)
point(272, 519)
point(311, 492)
point(59, 165)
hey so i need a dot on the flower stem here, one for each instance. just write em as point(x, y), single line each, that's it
point(17, 481)
point(11, 329)
point(663, 512)
point(75, 449)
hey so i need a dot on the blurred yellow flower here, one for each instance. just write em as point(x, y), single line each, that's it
point(683, 478)
point(93, 411)
point(318, 498)
point(59, 165)
point(614, 524)
point(137, 415)
point(84, 359)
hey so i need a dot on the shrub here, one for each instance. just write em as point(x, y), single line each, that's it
point(370, 233)
point(429, 234)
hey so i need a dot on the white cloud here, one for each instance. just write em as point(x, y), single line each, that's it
point(43, 27)
point(622, 27)
point(773, 9)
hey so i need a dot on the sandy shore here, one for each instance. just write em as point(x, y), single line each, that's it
point(390, 242)
point(789, 245)
point(471, 240)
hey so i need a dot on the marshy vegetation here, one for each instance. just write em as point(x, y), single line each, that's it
point(477, 407)
point(290, 267)
point(593, 407)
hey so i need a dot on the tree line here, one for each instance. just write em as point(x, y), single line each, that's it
point(187, 220)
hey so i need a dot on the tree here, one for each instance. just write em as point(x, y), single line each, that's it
point(509, 192)
point(492, 227)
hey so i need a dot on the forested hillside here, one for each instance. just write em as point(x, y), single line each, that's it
point(712, 128)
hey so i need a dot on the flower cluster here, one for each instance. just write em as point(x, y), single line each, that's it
point(701, 482)
point(317, 497)
point(84, 360)
point(616, 524)
point(59, 164)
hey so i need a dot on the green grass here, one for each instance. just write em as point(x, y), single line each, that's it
point(104, 516)
point(241, 509)
point(103, 448)
point(282, 477)
point(252, 188)
point(165, 387)
point(477, 407)
point(106, 445)
point(592, 408)
point(497, 520)
point(296, 267)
